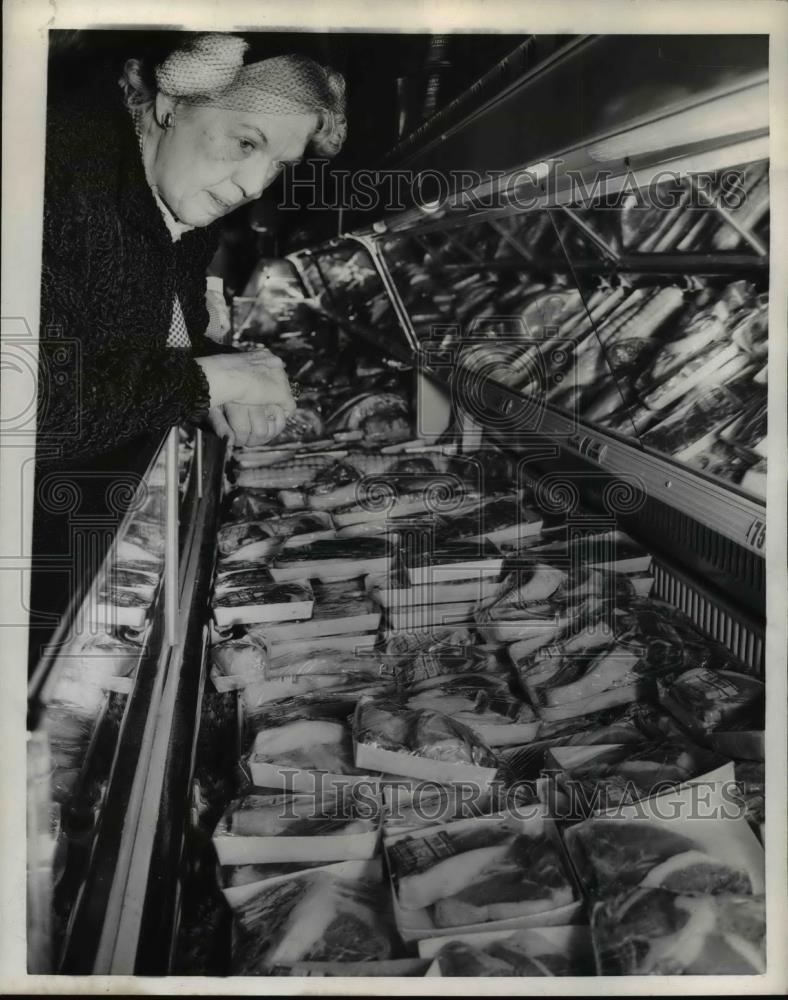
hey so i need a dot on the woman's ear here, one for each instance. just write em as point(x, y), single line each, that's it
point(164, 110)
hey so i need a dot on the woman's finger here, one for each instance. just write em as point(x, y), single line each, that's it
point(239, 419)
point(263, 428)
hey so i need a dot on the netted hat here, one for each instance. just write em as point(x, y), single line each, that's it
point(209, 70)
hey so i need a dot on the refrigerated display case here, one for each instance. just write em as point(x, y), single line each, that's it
point(609, 360)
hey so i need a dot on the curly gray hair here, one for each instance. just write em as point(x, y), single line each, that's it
point(209, 70)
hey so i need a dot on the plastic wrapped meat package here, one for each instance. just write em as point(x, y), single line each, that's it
point(542, 951)
point(722, 708)
point(95, 660)
point(235, 663)
point(689, 854)
point(338, 826)
point(303, 754)
point(341, 607)
point(251, 505)
point(267, 602)
point(419, 743)
point(486, 871)
point(614, 655)
point(649, 931)
point(333, 559)
point(326, 914)
point(605, 778)
point(484, 704)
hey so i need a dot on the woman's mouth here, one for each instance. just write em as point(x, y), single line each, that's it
point(223, 205)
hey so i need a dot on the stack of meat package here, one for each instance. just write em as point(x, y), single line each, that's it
point(399, 639)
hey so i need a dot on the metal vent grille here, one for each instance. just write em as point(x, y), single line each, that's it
point(742, 640)
point(684, 534)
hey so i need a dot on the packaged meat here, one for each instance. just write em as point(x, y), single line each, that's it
point(307, 696)
point(336, 484)
point(135, 581)
point(269, 602)
point(333, 559)
point(503, 520)
point(542, 951)
point(411, 804)
point(705, 377)
point(399, 649)
point(240, 576)
point(751, 332)
point(340, 654)
point(654, 932)
point(450, 560)
point(419, 743)
point(247, 540)
point(484, 704)
point(717, 458)
point(147, 535)
point(400, 617)
point(603, 778)
point(340, 607)
point(305, 755)
point(703, 855)
point(314, 916)
point(382, 417)
point(713, 704)
point(117, 608)
point(480, 871)
point(700, 335)
point(260, 829)
point(98, 657)
point(395, 497)
point(259, 459)
point(431, 668)
point(238, 662)
point(612, 655)
point(251, 504)
point(392, 591)
point(629, 723)
point(614, 551)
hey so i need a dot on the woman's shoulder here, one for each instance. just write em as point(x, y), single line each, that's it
point(84, 135)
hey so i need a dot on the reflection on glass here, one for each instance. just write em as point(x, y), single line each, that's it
point(591, 310)
point(680, 363)
point(85, 697)
point(356, 291)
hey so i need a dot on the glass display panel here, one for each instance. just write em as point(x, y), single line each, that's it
point(687, 347)
point(79, 714)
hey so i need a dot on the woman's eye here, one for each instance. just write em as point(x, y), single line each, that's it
point(246, 145)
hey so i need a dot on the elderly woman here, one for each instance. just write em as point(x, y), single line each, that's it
point(137, 178)
point(135, 182)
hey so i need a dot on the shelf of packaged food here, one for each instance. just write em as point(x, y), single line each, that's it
point(519, 420)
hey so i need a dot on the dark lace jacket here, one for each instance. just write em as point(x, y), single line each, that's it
point(109, 273)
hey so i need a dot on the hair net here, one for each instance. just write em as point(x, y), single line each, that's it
point(209, 70)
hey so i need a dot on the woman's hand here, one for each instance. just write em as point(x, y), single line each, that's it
point(252, 378)
point(247, 426)
point(254, 426)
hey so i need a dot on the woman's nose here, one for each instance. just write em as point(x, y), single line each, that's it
point(254, 175)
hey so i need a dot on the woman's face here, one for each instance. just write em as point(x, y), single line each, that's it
point(213, 160)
